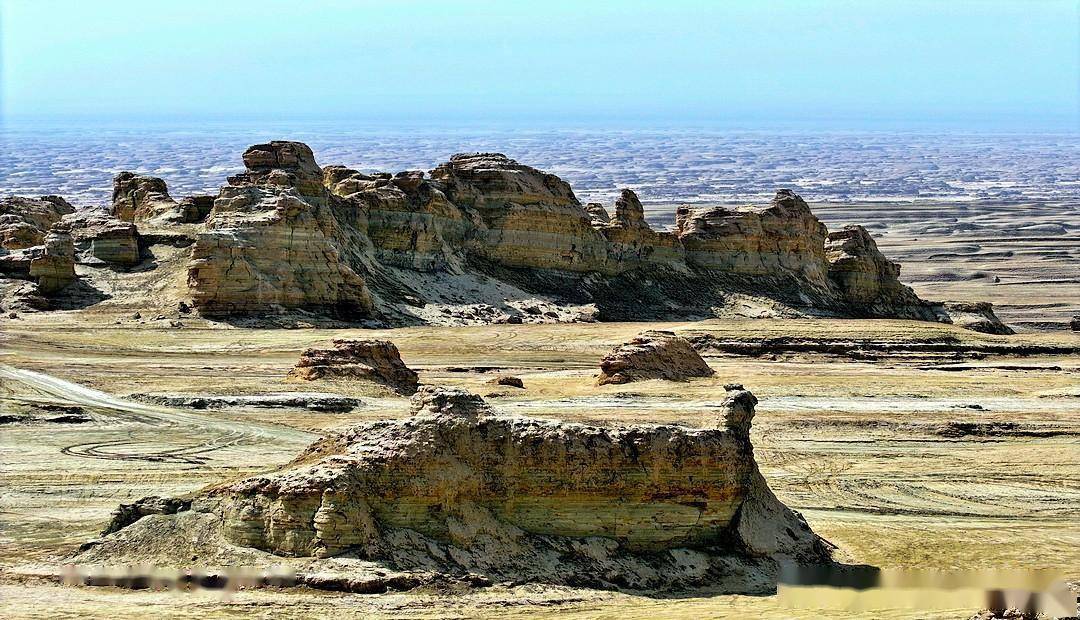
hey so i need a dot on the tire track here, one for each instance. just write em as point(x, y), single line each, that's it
point(198, 435)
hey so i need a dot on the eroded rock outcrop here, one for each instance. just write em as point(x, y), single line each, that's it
point(25, 221)
point(977, 316)
point(103, 238)
point(480, 231)
point(530, 219)
point(369, 360)
point(459, 489)
point(861, 272)
point(654, 354)
point(783, 237)
point(138, 197)
point(268, 249)
point(53, 268)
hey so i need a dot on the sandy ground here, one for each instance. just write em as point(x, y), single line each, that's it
point(855, 444)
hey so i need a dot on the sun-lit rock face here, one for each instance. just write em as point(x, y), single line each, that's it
point(54, 268)
point(366, 360)
point(858, 268)
point(782, 237)
point(268, 248)
point(409, 220)
point(531, 219)
point(138, 197)
point(653, 354)
point(632, 243)
point(281, 163)
point(101, 238)
point(458, 474)
point(24, 222)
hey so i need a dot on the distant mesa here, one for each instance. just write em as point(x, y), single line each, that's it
point(482, 231)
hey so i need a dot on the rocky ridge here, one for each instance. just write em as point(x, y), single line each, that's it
point(458, 489)
point(486, 232)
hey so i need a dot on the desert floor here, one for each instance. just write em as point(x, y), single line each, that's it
point(860, 443)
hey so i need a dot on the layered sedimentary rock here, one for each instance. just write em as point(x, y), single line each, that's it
point(25, 221)
point(281, 163)
point(102, 238)
point(654, 354)
point(783, 237)
point(53, 268)
point(271, 248)
point(409, 221)
point(530, 219)
point(632, 242)
point(486, 232)
point(369, 360)
point(138, 197)
point(459, 489)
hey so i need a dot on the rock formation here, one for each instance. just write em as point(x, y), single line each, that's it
point(102, 238)
point(138, 197)
point(458, 489)
point(654, 354)
point(53, 268)
point(25, 221)
point(481, 231)
point(976, 316)
point(782, 237)
point(369, 360)
point(269, 248)
point(530, 219)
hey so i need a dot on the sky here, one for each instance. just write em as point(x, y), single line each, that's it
point(979, 64)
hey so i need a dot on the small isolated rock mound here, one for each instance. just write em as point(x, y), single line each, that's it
point(508, 380)
point(460, 490)
point(653, 355)
point(977, 316)
point(372, 360)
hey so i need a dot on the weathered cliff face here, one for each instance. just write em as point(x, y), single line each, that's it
point(531, 219)
point(139, 198)
point(632, 243)
point(282, 164)
point(270, 248)
point(783, 237)
point(25, 221)
point(483, 238)
point(54, 267)
point(103, 239)
point(859, 269)
point(409, 220)
point(459, 489)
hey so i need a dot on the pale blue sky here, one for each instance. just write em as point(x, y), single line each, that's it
point(992, 64)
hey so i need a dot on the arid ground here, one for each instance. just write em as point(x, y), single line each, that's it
point(950, 460)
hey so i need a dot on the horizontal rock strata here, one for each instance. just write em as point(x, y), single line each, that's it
point(459, 489)
point(484, 231)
